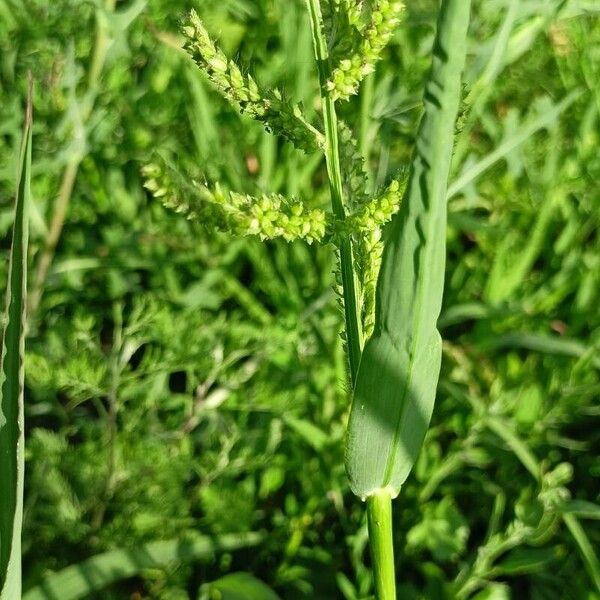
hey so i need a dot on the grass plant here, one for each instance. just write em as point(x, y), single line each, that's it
point(394, 377)
point(185, 370)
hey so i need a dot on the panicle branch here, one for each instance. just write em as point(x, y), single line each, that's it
point(267, 216)
point(241, 90)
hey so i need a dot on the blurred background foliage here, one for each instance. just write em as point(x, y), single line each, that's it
point(181, 381)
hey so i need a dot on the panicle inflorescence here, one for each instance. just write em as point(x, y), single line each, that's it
point(243, 92)
point(374, 37)
point(267, 216)
point(358, 29)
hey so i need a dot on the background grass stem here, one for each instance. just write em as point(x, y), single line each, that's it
point(61, 206)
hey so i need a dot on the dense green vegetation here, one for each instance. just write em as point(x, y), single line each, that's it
point(187, 389)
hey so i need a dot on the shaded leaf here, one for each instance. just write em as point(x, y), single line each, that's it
point(96, 573)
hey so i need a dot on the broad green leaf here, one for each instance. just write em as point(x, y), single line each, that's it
point(94, 574)
point(11, 377)
point(241, 586)
point(399, 369)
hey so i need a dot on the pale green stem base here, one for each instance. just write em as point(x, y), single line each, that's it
point(379, 517)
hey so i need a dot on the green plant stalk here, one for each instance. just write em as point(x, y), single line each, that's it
point(379, 518)
point(61, 206)
point(332, 158)
point(379, 506)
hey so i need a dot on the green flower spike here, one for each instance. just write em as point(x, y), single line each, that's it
point(242, 91)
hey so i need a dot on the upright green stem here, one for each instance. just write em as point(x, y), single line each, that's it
point(379, 516)
point(379, 506)
point(332, 157)
point(67, 185)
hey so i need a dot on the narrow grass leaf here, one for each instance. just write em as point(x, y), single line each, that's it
point(546, 344)
point(586, 548)
point(399, 370)
point(545, 120)
point(309, 432)
point(96, 573)
point(11, 378)
point(504, 431)
point(526, 560)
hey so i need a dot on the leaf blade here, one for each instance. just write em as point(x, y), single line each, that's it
point(397, 378)
point(11, 377)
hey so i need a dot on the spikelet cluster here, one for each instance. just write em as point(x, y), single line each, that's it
point(267, 216)
point(271, 216)
point(366, 226)
point(375, 213)
point(243, 92)
point(354, 174)
point(181, 194)
point(347, 75)
point(354, 9)
point(341, 21)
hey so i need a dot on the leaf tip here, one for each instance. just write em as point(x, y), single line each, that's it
point(29, 111)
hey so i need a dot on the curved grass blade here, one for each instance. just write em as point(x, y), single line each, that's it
point(11, 378)
point(471, 173)
point(97, 572)
point(240, 586)
point(399, 369)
